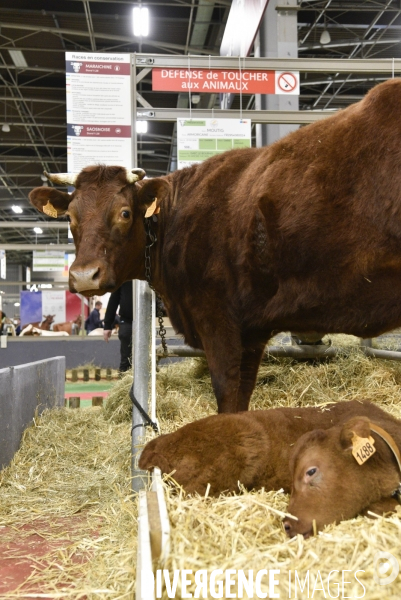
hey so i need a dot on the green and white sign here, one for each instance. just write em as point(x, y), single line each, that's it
point(199, 139)
point(48, 260)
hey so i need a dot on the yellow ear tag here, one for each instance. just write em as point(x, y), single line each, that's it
point(362, 448)
point(49, 210)
point(152, 209)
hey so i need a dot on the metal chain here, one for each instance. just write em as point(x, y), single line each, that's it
point(152, 237)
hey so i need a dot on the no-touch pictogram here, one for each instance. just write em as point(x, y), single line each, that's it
point(287, 82)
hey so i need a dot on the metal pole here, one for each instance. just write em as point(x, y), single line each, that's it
point(82, 332)
point(141, 363)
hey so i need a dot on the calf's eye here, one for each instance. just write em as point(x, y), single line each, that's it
point(311, 472)
point(125, 214)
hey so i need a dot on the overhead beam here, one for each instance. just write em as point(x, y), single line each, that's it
point(257, 116)
point(101, 36)
point(305, 65)
point(31, 224)
point(6, 158)
point(69, 248)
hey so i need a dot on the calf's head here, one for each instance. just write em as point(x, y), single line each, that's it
point(328, 484)
point(106, 211)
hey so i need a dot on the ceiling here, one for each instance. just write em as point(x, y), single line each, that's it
point(32, 97)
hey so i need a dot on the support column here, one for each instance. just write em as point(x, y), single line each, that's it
point(278, 38)
point(141, 363)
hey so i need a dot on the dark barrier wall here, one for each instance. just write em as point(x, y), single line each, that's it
point(27, 390)
point(76, 352)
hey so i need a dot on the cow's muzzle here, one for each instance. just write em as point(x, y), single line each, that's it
point(292, 526)
point(88, 280)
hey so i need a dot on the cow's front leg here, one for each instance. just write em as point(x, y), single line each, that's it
point(250, 362)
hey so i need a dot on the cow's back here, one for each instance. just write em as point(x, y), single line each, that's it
point(302, 235)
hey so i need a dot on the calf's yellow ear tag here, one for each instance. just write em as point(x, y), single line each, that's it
point(49, 210)
point(152, 209)
point(362, 448)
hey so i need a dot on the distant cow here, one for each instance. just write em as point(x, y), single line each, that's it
point(303, 236)
point(36, 331)
point(329, 485)
point(71, 327)
point(44, 325)
point(252, 448)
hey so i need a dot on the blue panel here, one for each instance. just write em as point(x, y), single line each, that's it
point(31, 307)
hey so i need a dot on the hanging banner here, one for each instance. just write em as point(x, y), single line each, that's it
point(30, 307)
point(63, 305)
point(53, 303)
point(199, 139)
point(48, 260)
point(239, 35)
point(212, 81)
point(98, 109)
point(242, 26)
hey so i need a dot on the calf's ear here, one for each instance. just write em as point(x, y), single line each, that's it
point(50, 201)
point(153, 191)
point(359, 426)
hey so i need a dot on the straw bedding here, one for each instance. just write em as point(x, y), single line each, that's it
point(76, 464)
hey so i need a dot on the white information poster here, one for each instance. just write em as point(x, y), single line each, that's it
point(98, 109)
point(2, 264)
point(48, 260)
point(53, 303)
point(199, 139)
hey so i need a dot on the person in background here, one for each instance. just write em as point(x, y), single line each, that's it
point(94, 321)
point(121, 298)
point(17, 324)
point(2, 321)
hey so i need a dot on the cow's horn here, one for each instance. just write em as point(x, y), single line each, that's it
point(62, 178)
point(135, 175)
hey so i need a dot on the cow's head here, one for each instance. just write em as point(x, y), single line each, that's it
point(106, 211)
point(328, 484)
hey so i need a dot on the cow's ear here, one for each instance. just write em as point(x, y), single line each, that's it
point(152, 193)
point(50, 201)
point(358, 426)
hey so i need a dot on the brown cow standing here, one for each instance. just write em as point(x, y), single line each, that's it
point(71, 327)
point(252, 448)
point(328, 484)
point(303, 235)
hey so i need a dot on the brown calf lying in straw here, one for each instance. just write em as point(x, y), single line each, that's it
point(352, 468)
point(255, 448)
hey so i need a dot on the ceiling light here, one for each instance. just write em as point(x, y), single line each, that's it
point(38, 230)
point(18, 58)
point(17, 209)
point(5, 127)
point(325, 37)
point(16, 303)
point(140, 15)
point(141, 126)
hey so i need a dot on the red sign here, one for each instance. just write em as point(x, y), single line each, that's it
point(98, 130)
point(97, 68)
point(213, 81)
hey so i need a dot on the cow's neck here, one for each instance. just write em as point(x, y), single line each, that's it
point(157, 279)
point(152, 255)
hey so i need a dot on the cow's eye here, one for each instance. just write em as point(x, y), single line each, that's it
point(311, 472)
point(125, 214)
